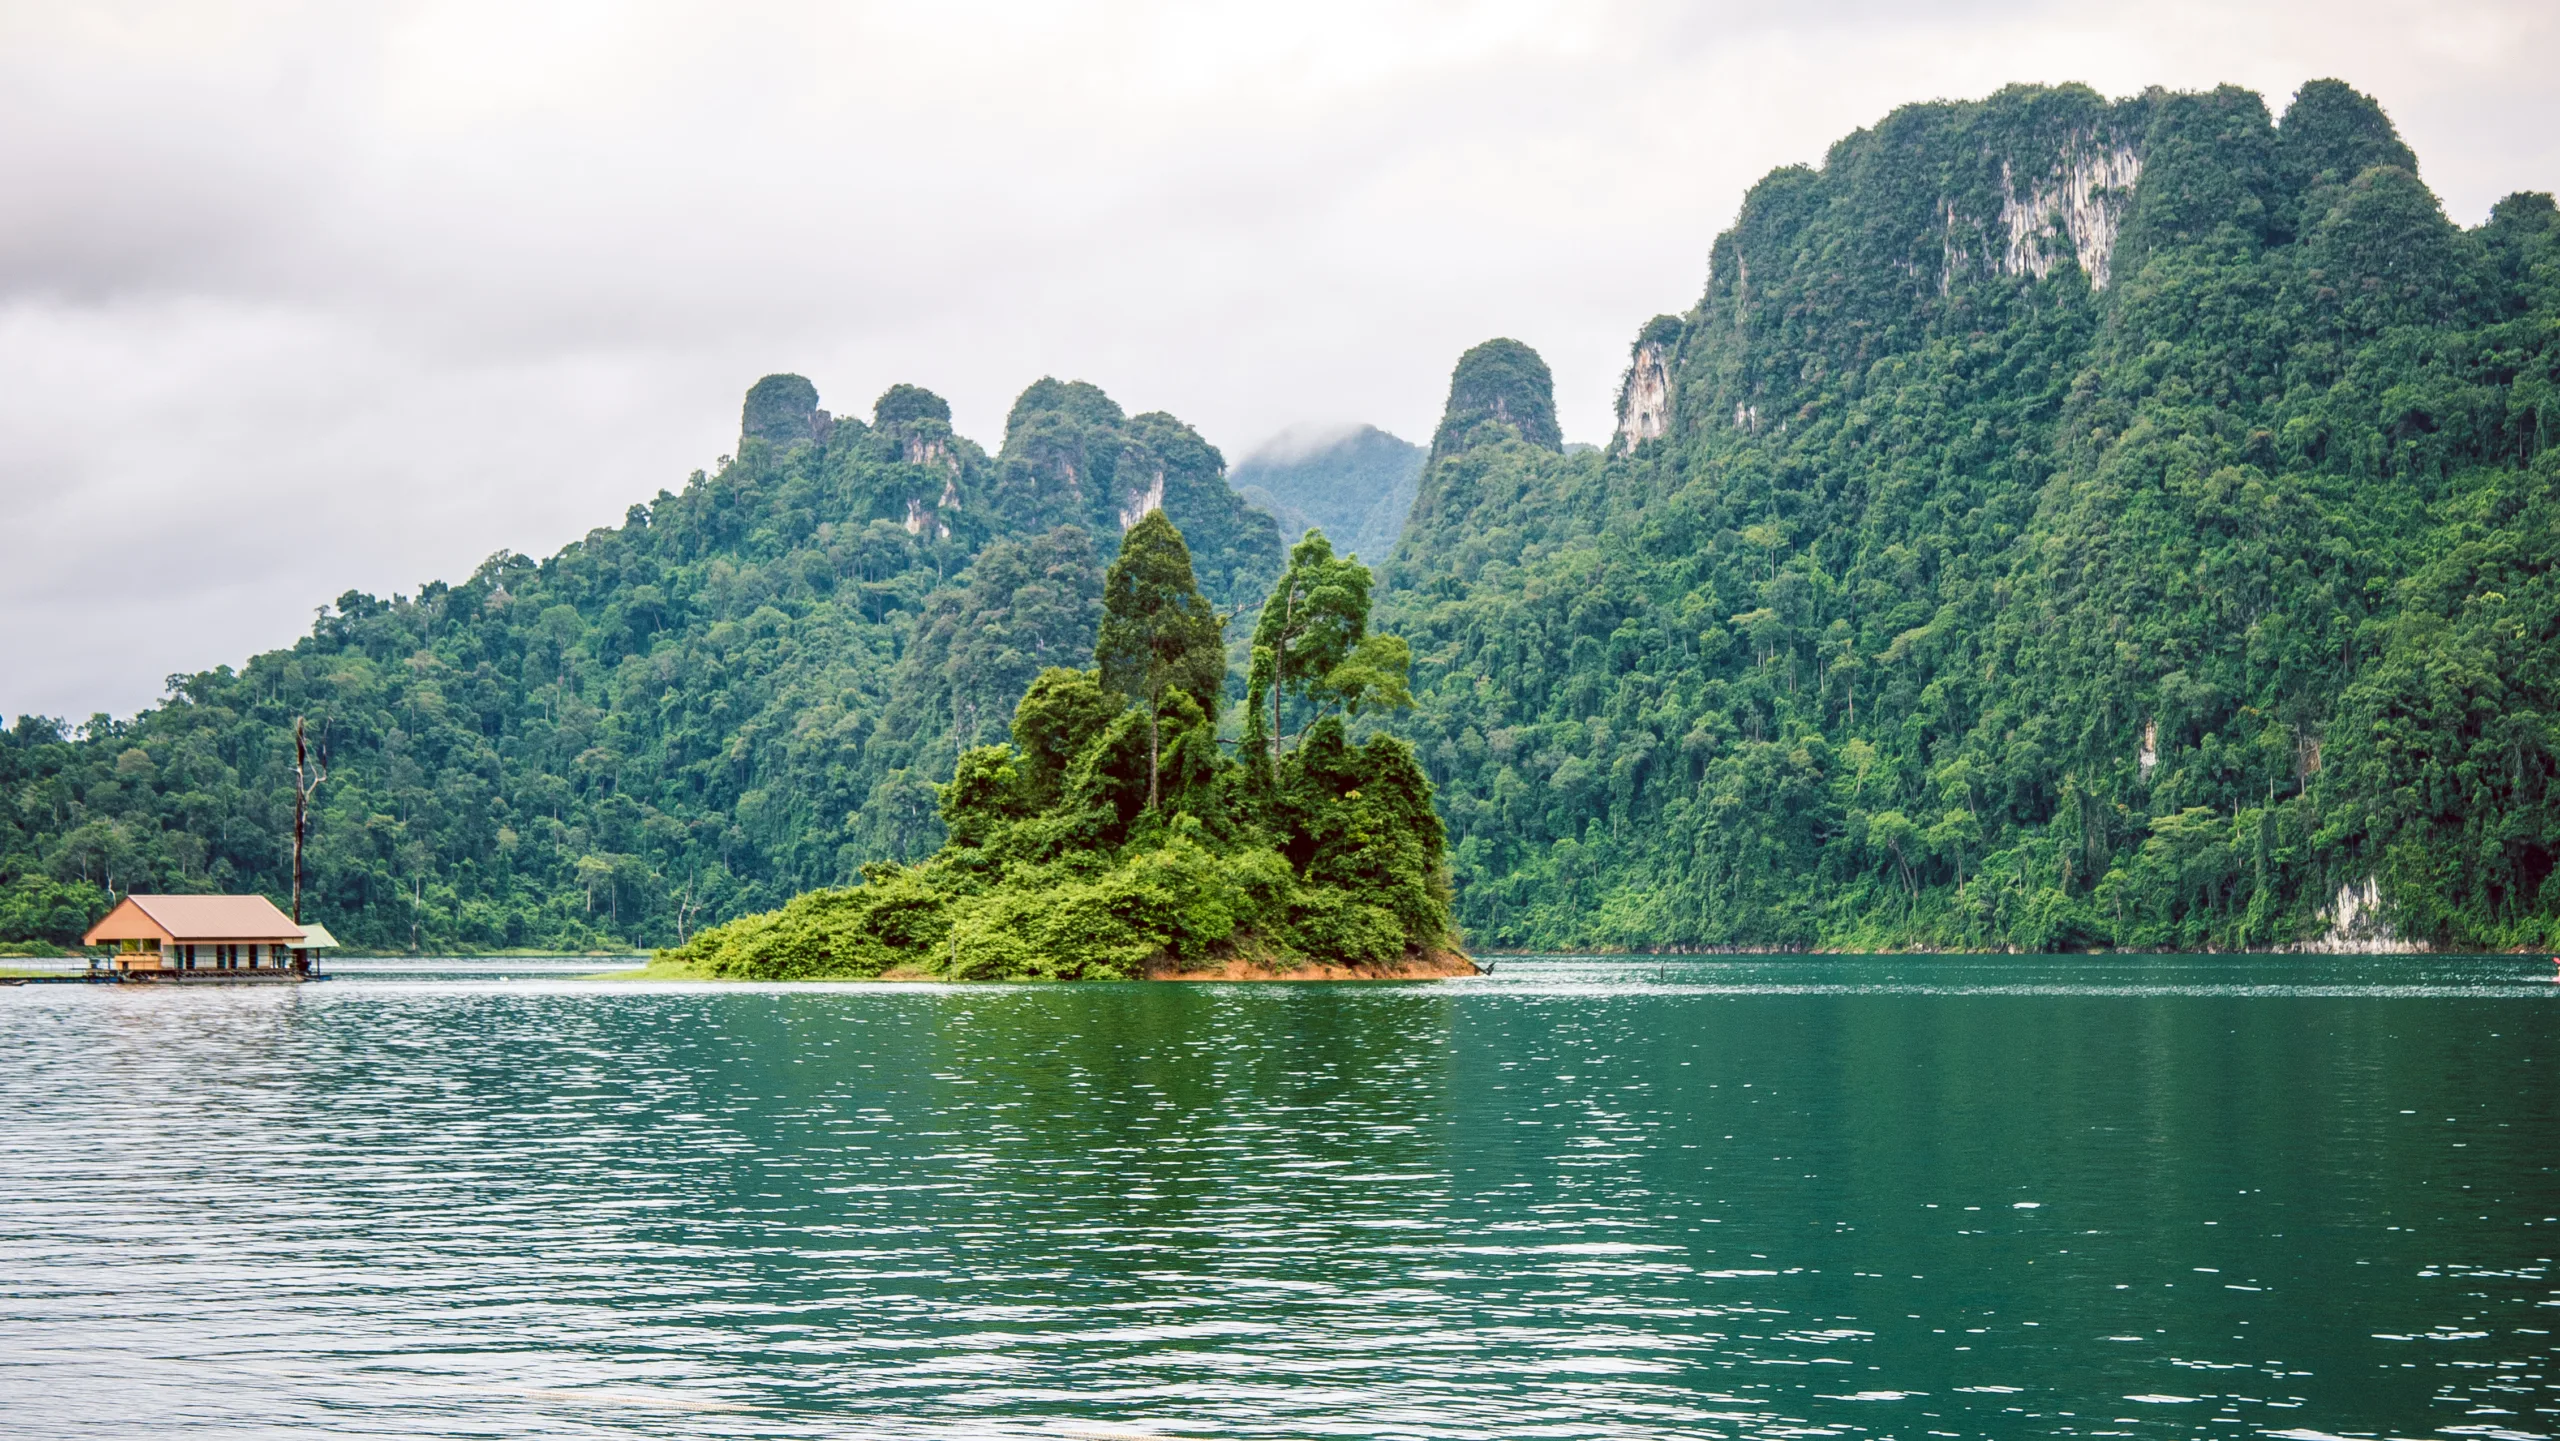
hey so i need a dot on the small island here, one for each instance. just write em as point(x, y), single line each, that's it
point(1117, 838)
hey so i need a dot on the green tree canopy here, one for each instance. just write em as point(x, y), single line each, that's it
point(1314, 621)
point(1159, 633)
point(1501, 387)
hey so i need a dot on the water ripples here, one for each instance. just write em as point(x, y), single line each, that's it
point(1584, 1198)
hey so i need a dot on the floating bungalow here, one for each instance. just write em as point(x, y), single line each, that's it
point(204, 937)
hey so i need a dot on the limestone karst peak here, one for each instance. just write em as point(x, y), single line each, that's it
point(782, 411)
point(904, 404)
point(1499, 387)
point(2332, 133)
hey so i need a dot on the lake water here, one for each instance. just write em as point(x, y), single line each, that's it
point(1905, 1197)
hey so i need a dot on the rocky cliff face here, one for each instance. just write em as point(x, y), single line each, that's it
point(1644, 396)
point(2081, 200)
point(913, 426)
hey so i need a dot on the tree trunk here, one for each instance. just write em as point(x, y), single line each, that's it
point(1279, 653)
point(1279, 661)
point(1153, 798)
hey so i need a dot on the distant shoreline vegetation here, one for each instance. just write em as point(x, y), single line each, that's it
point(1114, 838)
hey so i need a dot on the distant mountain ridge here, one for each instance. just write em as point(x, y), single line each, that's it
point(1356, 485)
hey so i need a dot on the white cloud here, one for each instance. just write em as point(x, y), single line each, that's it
point(409, 284)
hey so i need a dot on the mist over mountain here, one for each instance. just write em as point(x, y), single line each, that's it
point(1354, 483)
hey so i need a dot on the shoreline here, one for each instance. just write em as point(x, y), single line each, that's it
point(2297, 949)
point(1439, 965)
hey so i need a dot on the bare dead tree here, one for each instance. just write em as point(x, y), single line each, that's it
point(308, 776)
point(686, 905)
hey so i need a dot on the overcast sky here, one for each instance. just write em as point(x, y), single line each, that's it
point(298, 298)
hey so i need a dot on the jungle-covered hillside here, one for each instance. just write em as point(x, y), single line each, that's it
point(2060, 523)
point(744, 691)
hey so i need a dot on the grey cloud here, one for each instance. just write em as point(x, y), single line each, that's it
point(399, 286)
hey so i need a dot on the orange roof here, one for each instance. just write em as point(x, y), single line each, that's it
point(194, 918)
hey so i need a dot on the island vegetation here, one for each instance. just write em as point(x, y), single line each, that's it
point(1114, 838)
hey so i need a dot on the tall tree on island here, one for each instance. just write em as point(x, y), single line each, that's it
point(1313, 640)
point(1159, 633)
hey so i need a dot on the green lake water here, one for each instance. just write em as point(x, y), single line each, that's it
point(1746, 1197)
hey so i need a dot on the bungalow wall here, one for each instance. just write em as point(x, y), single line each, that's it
point(225, 955)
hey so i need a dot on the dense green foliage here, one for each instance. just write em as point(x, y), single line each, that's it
point(742, 692)
point(1161, 640)
point(1312, 645)
point(1356, 487)
point(1112, 835)
point(2059, 523)
point(2079, 523)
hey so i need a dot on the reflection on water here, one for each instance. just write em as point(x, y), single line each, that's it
point(476, 968)
point(1894, 1196)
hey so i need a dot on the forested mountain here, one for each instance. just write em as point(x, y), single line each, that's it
point(2061, 522)
point(742, 692)
point(1356, 486)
